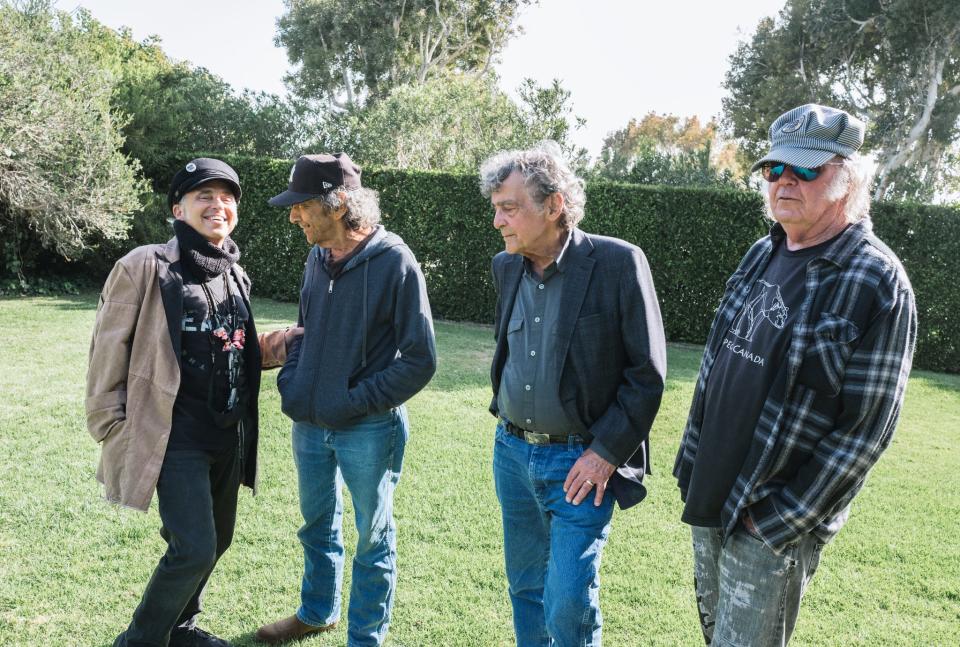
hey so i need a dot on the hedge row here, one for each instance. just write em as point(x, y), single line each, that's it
point(693, 239)
point(927, 240)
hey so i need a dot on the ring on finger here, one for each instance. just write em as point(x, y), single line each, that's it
point(589, 482)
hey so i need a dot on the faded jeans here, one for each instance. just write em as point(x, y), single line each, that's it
point(747, 595)
point(367, 458)
point(552, 548)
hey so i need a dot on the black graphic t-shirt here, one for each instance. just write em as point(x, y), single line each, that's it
point(211, 347)
point(748, 364)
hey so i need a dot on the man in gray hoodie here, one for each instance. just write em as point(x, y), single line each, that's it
point(367, 348)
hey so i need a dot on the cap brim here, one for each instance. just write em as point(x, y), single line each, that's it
point(214, 175)
point(795, 157)
point(290, 198)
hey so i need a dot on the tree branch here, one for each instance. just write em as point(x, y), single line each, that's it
point(895, 161)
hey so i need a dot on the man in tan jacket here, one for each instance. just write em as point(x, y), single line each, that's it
point(172, 387)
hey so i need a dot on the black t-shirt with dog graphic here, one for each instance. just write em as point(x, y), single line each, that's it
point(751, 360)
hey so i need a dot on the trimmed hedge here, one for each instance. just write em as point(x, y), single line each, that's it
point(693, 238)
point(927, 240)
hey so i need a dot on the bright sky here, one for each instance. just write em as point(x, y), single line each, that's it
point(618, 58)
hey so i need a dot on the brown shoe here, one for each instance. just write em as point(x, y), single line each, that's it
point(288, 629)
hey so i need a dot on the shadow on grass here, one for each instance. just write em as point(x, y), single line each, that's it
point(464, 353)
point(68, 302)
point(938, 381)
point(76, 303)
point(465, 350)
point(247, 639)
point(683, 362)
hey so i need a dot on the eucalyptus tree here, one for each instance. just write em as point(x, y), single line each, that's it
point(172, 107)
point(895, 63)
point(667, 149)
point(345, 53)
point(452, 122)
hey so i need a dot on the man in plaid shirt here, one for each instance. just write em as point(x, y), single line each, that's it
point(800, 387)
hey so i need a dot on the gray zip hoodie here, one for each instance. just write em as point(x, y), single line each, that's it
point(368, 343)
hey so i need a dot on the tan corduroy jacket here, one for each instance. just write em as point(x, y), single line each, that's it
point(134, 373)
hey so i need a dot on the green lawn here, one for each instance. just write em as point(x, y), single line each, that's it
point(72, 567)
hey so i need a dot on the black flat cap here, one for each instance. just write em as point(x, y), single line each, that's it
point(201, 171)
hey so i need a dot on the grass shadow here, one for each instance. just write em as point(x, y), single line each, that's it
point(246, 639)
point(67, 302)
point(938, 381)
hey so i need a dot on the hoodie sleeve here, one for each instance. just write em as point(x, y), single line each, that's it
point(292, 345)
point(413, 333)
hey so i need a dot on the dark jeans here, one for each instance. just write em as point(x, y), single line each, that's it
point(197, 491)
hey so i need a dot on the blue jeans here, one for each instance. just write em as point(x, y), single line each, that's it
point(197, 492)
point(367, 457)
point(748, 595)
point(552, 548)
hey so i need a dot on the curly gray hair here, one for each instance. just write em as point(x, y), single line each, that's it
point(363, 206)
point(544, 172)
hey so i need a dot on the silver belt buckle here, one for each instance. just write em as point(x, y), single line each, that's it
point(535, 438)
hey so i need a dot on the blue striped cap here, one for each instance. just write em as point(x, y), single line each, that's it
point(811, 135)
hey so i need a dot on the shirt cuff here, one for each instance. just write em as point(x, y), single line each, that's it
point(603, 452)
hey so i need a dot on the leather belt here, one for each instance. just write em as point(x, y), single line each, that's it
point(537, 438)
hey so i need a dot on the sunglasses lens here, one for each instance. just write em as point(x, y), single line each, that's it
point(772, 172)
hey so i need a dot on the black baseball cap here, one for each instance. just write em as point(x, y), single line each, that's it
point(314, 176)
point(200, 171)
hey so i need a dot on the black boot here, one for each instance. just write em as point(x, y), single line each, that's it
point(195, 637)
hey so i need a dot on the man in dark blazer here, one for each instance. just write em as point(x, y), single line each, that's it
point(577, 378)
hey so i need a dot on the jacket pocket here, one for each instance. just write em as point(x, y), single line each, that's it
point(825, 360)
point(330, 403)
point(105, 413)
point(295, 394)
point(595, 337)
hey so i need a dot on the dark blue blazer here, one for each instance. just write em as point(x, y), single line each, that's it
point(610, 346)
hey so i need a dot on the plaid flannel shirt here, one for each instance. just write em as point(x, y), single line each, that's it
point(847, 363)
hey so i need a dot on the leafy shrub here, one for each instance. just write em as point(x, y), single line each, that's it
point(693, 238)
point(63, 178)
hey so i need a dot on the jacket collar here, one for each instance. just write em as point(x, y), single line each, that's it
point(171, 289)
point(171, 251)
point(579, 247)
point(380, 240)
point(578, 267)
point(842, 249)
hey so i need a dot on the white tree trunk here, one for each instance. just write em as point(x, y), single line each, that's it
point(919, 128)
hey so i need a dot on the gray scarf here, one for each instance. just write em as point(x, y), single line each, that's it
point(200, 257)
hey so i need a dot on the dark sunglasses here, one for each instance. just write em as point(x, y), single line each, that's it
point(773, 171)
